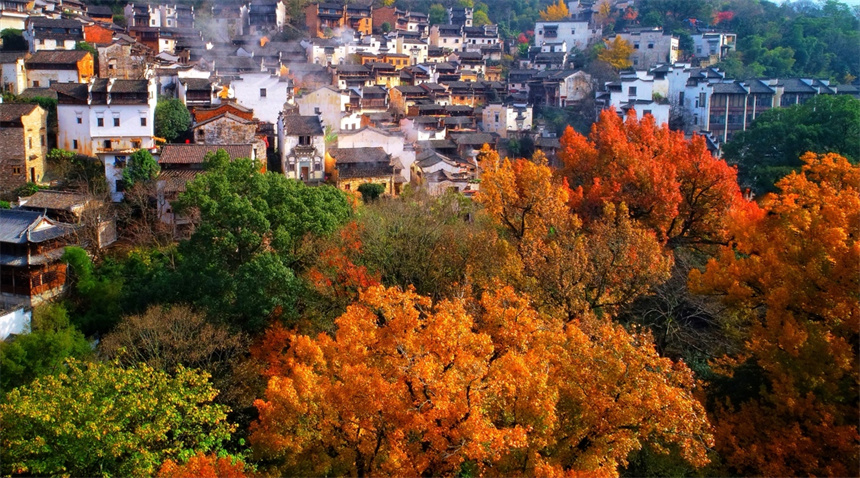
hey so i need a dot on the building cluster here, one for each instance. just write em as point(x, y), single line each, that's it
point(369, 94)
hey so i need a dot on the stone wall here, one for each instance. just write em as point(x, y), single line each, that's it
point(225, 131)
point(23, 150)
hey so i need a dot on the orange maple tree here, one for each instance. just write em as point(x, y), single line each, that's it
point(204, 466)
point(407, 387)
point(672, 185)
point(791, 273)
point(574, 269)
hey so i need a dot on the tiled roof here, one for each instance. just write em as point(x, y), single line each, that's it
point(359, 155)
point(62, 200)
point(19, 227)
point(733, 88)
point(56, 57)
point(196, 84)
point(194, 153)
point(54, 23)
point(12, 112)
point(39, 93)
point(174, 181)
point(11, 56)
point(130, 86)
point(302, 125)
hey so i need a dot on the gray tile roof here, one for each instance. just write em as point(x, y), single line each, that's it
point(20, 227)
point(302, 125)
point(194, 153)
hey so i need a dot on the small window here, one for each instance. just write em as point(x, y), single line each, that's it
point(30, 142)
point(120, 185)
point(16, 169)
point(135, 144)
point(636, 46)
point(647, 112)
point(74, 144)
point(107, 144)
point(80, 120)
point(631, 91)
point(262, 92)
point(116, 121)
point(43, 140)
point(650, 46)
point(143, 121)
point(35, 84)
point(100, 122)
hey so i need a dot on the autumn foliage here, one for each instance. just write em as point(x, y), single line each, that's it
point(204, 466)
point(555, 12)
point(671, 185)
point(568, 267)
point(407, 388)
point(617, 53)
point(791, 273)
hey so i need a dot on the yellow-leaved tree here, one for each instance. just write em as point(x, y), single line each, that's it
point(617, 53)
point(555, 12)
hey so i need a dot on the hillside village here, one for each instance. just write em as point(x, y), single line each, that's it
point(369, 95)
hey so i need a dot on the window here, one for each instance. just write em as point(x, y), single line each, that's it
point(35, 84)
point(30, 142)
point(43, 140)
point(647, 112)
point(135, 144)
point(304, 140)
point(650, 46)
point(116, 121)
point(143, 121)
point(636, 46)
point(100, 122)
point(80, 120)
point(631, 91)
point(120, 185)
point(262, 92)
point(681, 98)
point(74, 144)
point(16, 169)
point(107, 144)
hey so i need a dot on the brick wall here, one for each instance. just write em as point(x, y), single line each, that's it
point(23, 150)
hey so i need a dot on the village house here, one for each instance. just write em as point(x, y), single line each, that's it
point(73, 208)
point(45, 68)
point(651, 47)
point(181, 163)
point(506, 119)
point(302, 144)
point(23, 145)
point(13, 74)
point(264, 93)
point(30, 249)
point(124, 58)
point(107, 118)
point(53, 34)
point(352, 167)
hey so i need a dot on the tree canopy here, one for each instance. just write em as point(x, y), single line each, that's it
point(172, 118)
point(772, 147)
point(99, 419)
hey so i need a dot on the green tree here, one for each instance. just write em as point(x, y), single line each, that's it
point(96, 301)
point(771, 148)
point(480, 19)
point(438, 15)
point(172, 118)
point(100, 419)
point(371, 191)
point(52, 339)
point(142, 167)
point(240, 261)
point(13, 40)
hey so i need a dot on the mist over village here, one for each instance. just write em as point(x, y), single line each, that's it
point(301, 238)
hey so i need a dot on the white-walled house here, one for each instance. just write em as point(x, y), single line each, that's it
point(53, 34)
point(503, 119)
point(13, 75)
point(107, 118)
point(392, 143)
point(302, 147)
point(576, 33)
point(326, 102)
point(264, 93)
